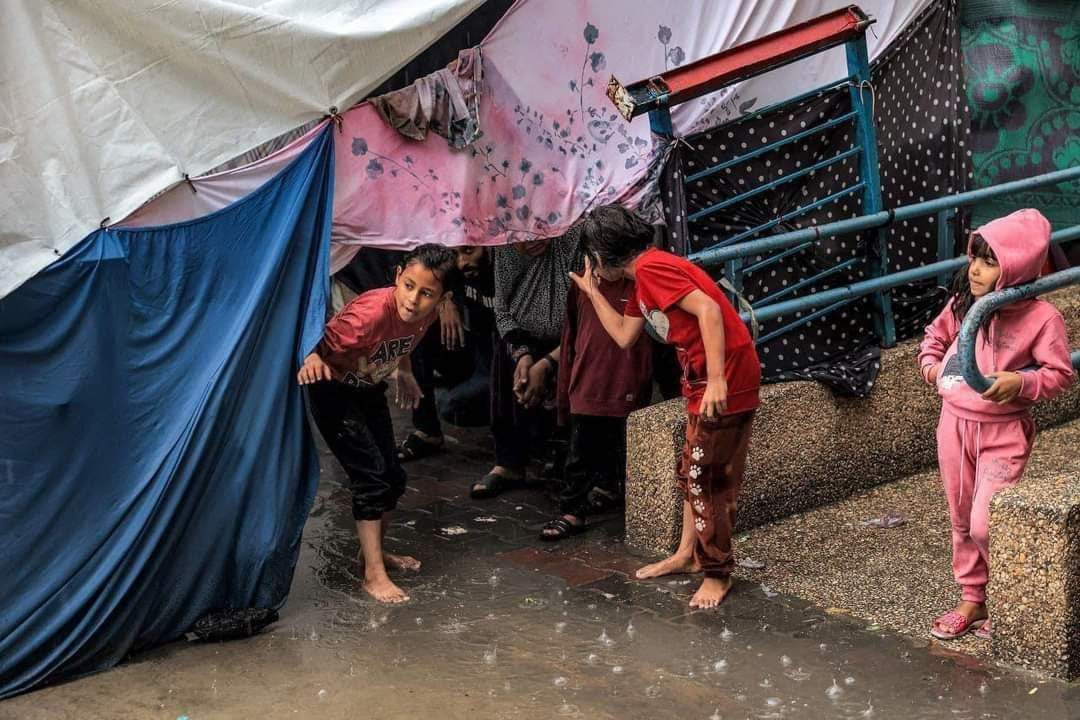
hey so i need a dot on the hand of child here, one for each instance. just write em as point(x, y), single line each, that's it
point(714, 401)
point(313, 370)
point(534, 387)
point(453, 330)
point(521, 376)
point(407, 392)
point(1005, 388)
point(586, 281)
point(932, 373)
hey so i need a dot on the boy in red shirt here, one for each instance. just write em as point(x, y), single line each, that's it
point(721, 380)
point(365, 344)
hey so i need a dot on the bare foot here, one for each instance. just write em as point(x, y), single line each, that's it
point(400, 562)
point(674, 565)
point(711, 593)
point(382, 589)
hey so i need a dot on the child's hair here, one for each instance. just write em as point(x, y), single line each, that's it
point(962, 299)
point(613, 235)
point(440, 260)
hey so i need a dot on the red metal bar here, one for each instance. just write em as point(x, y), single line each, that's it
point(739, 63)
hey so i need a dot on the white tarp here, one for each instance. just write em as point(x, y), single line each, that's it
point(105, 102)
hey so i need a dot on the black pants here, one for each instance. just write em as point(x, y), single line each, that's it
point(355, 422)
point(466, 372)
point(597, 458)
point(520, 433)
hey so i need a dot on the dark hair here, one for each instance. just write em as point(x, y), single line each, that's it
point(613, 235)
point(440, 260)
point(962, 299)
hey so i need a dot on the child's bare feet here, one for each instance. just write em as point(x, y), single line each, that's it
point(711, 593)
point(400, 562)
point(677, 564)
point(380, 587)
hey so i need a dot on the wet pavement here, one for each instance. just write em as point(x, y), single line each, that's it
point(502, 626)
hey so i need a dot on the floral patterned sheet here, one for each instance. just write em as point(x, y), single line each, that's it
point(552, 145)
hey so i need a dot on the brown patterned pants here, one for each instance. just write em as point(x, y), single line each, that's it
point(710, 476)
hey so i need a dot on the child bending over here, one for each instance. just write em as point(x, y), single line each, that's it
point(721, 380)
point(365, 344)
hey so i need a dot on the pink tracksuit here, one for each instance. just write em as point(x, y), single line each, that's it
point(983, 446)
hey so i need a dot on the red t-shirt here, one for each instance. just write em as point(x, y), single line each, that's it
point(596, 376)
point(364, 342)
point(662, 280)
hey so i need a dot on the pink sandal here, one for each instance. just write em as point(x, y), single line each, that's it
point(985, 632)
point(953, 625)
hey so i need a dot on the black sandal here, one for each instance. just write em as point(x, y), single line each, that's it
point(563, 529)
point(415, 447)
point(492, 485)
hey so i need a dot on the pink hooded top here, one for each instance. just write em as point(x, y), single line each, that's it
point(1022, 334)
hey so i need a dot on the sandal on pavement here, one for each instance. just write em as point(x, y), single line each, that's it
point(415, 447)
point(493, 484)
point(953, 625)
point(985, 632)
point(560, 528)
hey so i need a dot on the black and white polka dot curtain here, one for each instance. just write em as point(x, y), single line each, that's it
point(922, 127)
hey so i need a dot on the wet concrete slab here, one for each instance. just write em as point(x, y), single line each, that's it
point(503, 626)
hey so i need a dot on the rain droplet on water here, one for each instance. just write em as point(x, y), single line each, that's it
point(773, 701)
point(631, 631)
point(617, 669)
point(720, 666)
point(785, 661)
point(766, 683)
point(652, 691)
point(604, 639)
point(726, 635)
point(984, 688)
point(716, 715)
point(560, 626)
point(834, 691)
point(491, 656)
point(592, 659)
point(323, 694)
point(849, 681)
point(561, 682)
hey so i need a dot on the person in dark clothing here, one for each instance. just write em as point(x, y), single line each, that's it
point(599, 386)
point(458, 356)
point(531, 283)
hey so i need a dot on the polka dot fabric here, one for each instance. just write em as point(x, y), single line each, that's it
point(922, 127)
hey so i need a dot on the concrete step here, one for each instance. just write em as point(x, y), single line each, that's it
point(901, 579)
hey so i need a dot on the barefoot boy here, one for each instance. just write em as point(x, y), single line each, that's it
point(363, 346)
point(721, 379)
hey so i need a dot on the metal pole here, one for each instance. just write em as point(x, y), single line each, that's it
point(878, 252)
point(992, 302)
point(717, 256)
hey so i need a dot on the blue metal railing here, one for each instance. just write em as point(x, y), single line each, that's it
point(777, 247)
point(863, 150)
point(993, 301)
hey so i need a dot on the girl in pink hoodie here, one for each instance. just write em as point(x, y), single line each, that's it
point(984, 440)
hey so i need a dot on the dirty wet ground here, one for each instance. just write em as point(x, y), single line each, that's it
point(502, 626)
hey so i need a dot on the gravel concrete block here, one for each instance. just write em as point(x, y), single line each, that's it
point(1034, 596)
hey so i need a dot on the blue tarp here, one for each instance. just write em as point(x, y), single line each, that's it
point(155, 461)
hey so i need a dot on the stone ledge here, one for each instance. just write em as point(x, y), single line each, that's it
point(1035, 567)
point(810, 448)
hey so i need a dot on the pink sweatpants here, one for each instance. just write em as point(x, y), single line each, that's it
point(976, 460)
